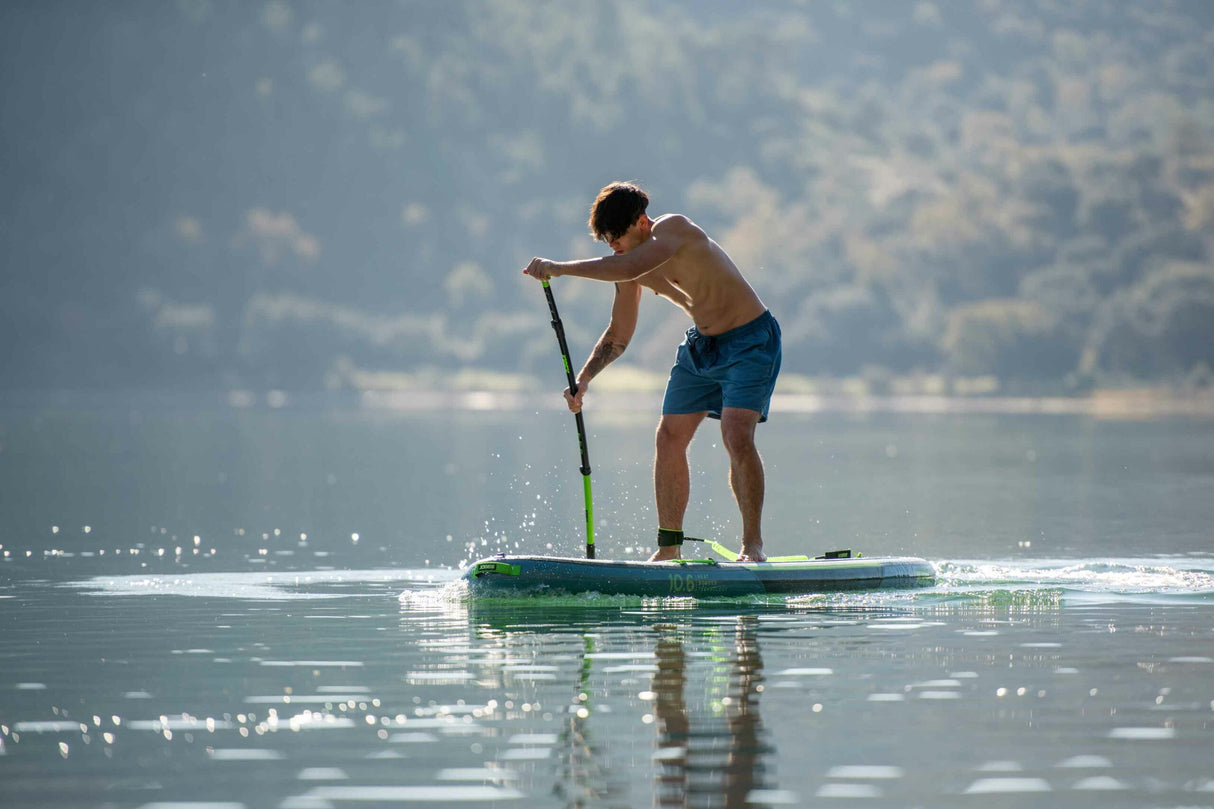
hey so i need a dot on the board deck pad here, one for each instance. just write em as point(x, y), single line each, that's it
point(503, 575)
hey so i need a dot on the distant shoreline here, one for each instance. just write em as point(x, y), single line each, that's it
point(1129, 404)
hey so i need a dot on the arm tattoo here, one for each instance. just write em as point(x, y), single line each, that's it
point(604, 352)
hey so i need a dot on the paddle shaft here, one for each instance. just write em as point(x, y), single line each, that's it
point(559, 328)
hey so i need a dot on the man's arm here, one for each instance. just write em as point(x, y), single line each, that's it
point(630, 266)
point(667, 237)
point(615, 339)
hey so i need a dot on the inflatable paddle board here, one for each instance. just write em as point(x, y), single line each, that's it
point(509, 575)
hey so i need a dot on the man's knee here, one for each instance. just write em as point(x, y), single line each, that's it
point(738, 431)
point(675, 432)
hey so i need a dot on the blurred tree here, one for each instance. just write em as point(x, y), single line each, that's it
point(1162, 327)
point(1011, 339)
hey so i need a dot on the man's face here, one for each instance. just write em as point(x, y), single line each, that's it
point(632, 237)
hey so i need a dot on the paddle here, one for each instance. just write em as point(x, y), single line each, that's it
point(732, 556)
point(559, 328)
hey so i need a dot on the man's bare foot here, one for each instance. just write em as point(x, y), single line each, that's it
point(752, 553)
point(667, 553)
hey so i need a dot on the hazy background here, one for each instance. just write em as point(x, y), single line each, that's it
point(977, 196)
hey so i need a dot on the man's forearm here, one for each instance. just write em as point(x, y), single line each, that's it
point(612, 269)
point(605, 352)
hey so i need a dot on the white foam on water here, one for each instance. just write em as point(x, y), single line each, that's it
point(807, 672)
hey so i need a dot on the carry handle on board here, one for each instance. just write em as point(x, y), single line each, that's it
point(581, 424)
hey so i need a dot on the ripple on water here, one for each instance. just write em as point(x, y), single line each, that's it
point(1143, 734)
point(1100, 783)
point(995, 786)
point(865, 772)
point(323, 774)
point(1085, 762)
point(245, 754)
point(849, 791)
point(414, 794)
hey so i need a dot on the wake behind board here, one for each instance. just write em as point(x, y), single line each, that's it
point(517, 575)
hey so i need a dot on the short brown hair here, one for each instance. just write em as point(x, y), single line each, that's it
point(617, 207)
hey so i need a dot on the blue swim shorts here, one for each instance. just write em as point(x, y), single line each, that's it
point(737, 368)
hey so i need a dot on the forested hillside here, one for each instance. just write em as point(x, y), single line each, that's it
point(218, 195)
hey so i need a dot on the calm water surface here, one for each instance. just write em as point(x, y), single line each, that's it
point(207, 607)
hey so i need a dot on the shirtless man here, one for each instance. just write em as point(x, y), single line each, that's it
point(725, 368)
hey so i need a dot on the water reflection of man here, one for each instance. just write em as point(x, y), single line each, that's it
point(688, 757)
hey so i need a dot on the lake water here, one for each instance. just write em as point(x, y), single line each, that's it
point(210, 607)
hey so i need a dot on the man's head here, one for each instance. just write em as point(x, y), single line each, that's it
point(616, 209)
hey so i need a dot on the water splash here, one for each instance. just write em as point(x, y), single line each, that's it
point(1164, 579)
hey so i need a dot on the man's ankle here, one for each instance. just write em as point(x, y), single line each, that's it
point(666, 554)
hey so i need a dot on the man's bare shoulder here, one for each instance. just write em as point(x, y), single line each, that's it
point(678, 226)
